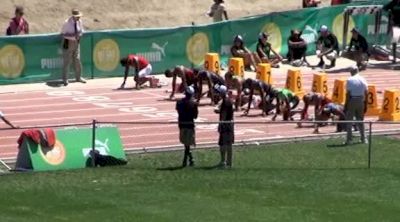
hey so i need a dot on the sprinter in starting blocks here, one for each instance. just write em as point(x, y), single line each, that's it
point(265, 91)
point(189, 77)
point(211, 80)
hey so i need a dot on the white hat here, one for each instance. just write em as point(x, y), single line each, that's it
point(76, 13)
point(323, 28)
point(189, 90)
point(221, 89)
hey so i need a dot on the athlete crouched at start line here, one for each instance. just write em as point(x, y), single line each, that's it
point(211, 79)
point(189, 77)
point(287, 101)
point(142, 68)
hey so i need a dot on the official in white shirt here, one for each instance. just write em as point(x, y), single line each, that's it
point(356, 106)
point(71, 32)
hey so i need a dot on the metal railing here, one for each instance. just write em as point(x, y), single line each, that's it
point(371, 131)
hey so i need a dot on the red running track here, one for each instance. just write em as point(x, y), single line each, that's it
point(82, 103)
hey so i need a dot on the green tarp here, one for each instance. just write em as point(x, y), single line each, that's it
point(72, 149)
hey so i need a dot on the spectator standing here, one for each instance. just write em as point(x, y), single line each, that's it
point(394, 8)
point(187, 111)
point(217, 11)
point(356, 104)
point(18, 24)
point(327, 46)
point(72, 31)
point(225, 128)
point(311, 3)
point(360, 52)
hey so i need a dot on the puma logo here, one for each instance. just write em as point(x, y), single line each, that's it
point(100, 146)
point(312, 34)
point(159, 48)
point(313, 30)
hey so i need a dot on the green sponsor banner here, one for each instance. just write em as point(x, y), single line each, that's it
point(279, 25)
point(163, 48)
point(72, 149)
point(37, 58)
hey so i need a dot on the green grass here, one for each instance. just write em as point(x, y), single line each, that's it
point(291, 182)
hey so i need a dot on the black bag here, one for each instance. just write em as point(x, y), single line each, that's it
point(104, 160)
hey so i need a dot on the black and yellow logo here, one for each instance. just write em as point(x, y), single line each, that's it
point(12, 61)
point(106, 55)
point(197, 47)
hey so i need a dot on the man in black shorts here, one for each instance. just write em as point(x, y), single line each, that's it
point(187, 112)
point(225, 128)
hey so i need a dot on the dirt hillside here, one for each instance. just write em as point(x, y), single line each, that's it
point(47, 16)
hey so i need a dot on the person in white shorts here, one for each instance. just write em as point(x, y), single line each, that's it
point(142, 68)
point(2, 116)
point(327, 46)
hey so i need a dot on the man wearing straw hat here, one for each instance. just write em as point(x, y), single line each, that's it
point(71, 32)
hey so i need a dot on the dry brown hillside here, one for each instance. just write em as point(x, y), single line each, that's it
point(47, 15)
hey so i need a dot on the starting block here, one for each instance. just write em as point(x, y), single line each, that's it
point(320, 83)
point(212, 63)
point(236, 66)
point(372, 102)
point(264, 73)
point(294, 82)
point(391, 106)
point(339, 91)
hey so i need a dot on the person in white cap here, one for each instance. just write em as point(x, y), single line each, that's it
point(187, 112)
point(327, 46)
point(225, 128)
point(356, 104)
point(72, 32)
